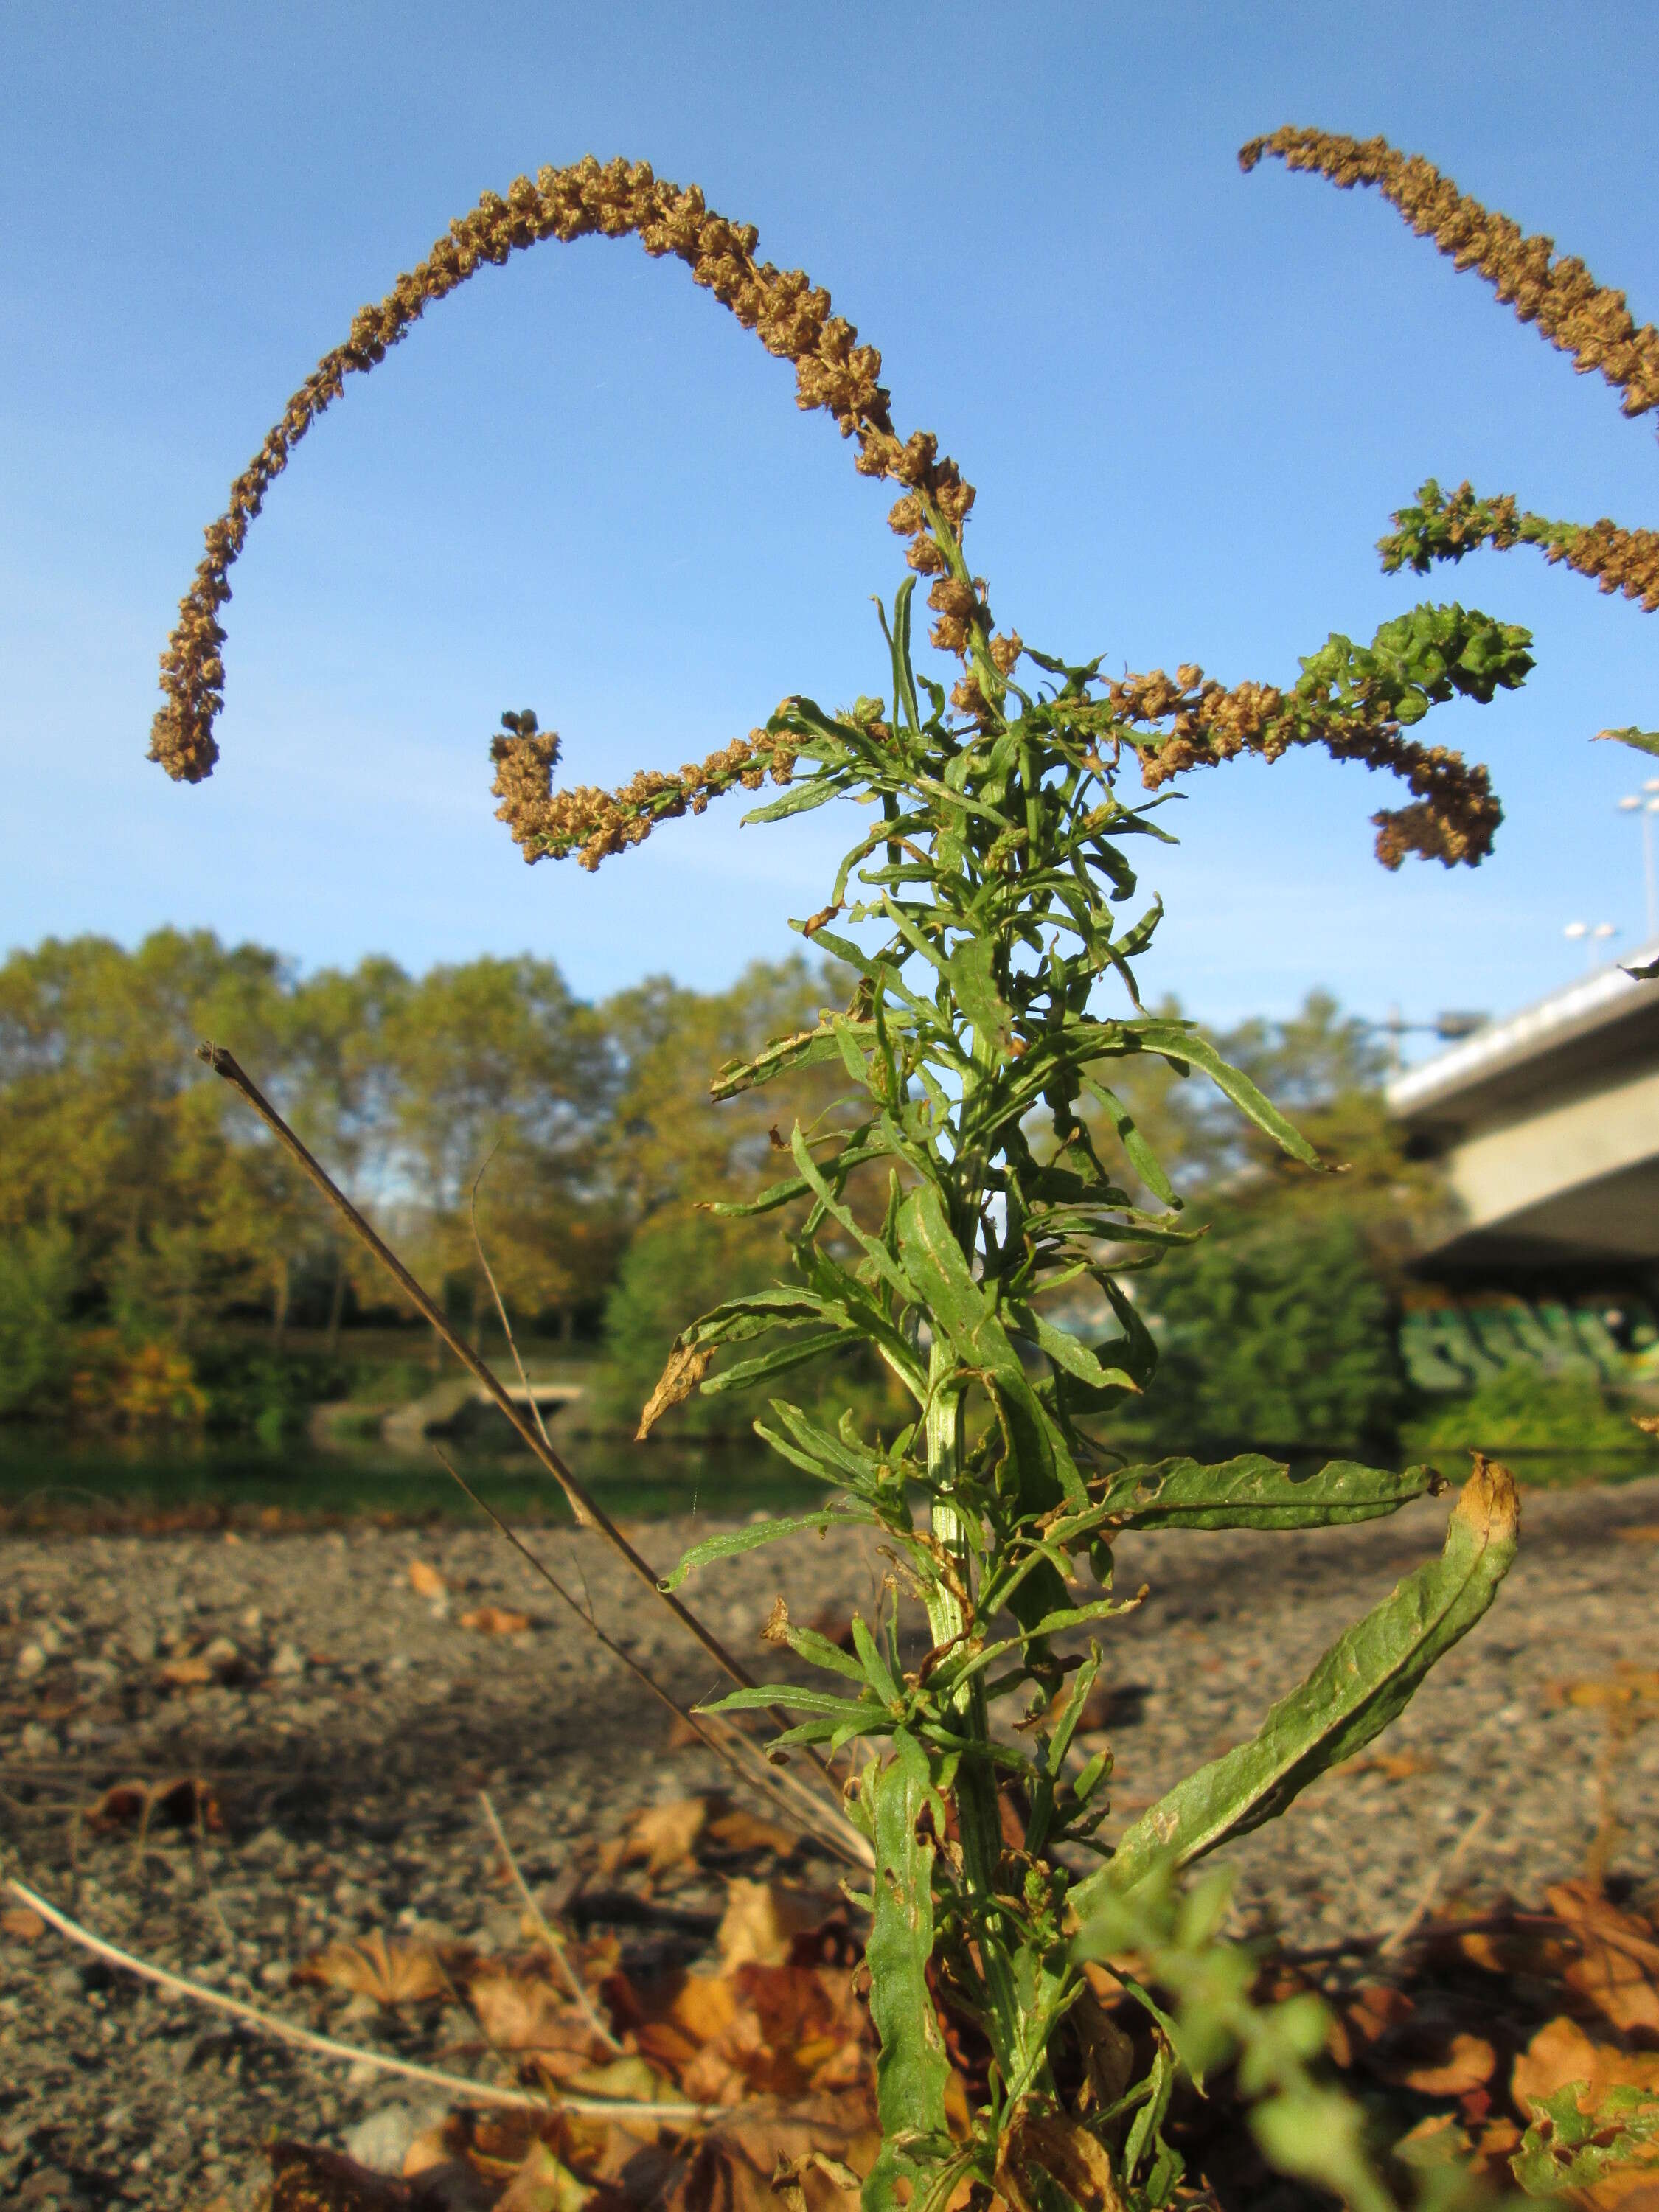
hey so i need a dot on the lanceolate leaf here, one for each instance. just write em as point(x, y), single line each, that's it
point(1645, 741)
point(806, 1048)
point(752, 1534)
point(959, 1306)
point(1363, 1681)
point(1254, 1492)
point(974, 981)
point(1071, 1353)
point(911, 2068)
point(799, 798)
point(1177, 1044)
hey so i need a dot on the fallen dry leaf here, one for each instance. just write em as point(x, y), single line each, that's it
point(306, 2179)
point(193, 1674)
point(1414, 2047)
point(390, 1974)
point(22, 1925)
point(1561, 2053)
point(1629, 1690)
point(663, 1835)
point(180, 1801)
point(731, 2168)
point(762, 1919)
point(1644, 1532)
point(743, 1832)
point(1392, 1765)
point(523, 2011)
point(631, 2077)
point(1039, 2140)
point(496, 1620)
point(542, 2183)
point(1618, 1968)
point(425, 1580)
point(1510, 1951)
point(1465, 2061)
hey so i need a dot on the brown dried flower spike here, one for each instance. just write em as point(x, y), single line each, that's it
point(789, 315)
point(1589, 321)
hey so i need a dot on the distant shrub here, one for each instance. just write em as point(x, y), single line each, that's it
point(120, 1384)
point(37, 1278)
point(678, 1264)
point(1523, 1410)
point(1275, 1335)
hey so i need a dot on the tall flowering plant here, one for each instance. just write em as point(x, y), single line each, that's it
point(981, 1163)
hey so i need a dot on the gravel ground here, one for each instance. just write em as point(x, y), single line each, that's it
point(357, 1721)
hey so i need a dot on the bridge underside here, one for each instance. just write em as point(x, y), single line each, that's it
point(1607, 1226)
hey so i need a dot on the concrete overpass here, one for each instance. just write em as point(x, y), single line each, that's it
point(1548, 1123)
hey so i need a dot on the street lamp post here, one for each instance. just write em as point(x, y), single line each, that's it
point(1647, 805)
point(1581, 933)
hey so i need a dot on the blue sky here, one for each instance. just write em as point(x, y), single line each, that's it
point(1190, 400)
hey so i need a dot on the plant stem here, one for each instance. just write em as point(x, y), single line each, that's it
point(979, 1818)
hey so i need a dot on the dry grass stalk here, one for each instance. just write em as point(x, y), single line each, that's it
point(546, 1934)
point(304, 2039)
point(587, 1512)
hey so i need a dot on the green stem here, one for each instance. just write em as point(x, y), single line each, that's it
point(978, 1813)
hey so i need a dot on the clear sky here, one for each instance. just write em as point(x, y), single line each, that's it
point(1190, 400)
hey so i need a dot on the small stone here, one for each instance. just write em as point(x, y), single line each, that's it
point(381, 2141)
point(39, 1742)
point(289, 1660)
point(30, 1660)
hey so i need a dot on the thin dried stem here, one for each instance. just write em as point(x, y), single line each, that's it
point(303, 2038)
point(587, 1512)
point(501, 1303)
point(214, 1905)
point(1439, 1874)
point(538, 1920)
point(808, 1807)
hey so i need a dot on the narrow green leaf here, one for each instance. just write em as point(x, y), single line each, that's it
point(1644, 741)
point(816, 1451)
point(759, 1698)
point(876, 1252)
point(806, 1048)
point(877, 1673)
point(911, 2068)
point(959, 1309)
point(1070, 1352)
point(749, 1538)
point(743, 1374)
point(1254, 1492)
point(1362, 1682)
point(972, 975)
point(798, 798)
point(904, 681)
point(1177, 1044)
point(1136, 1149)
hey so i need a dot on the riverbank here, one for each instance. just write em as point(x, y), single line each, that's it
point(341, 1715)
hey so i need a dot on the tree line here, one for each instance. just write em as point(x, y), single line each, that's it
point(141, 1203)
